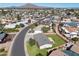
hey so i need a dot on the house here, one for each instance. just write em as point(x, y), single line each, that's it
point(6, 21)
point(42, 41)
point(2, 36)
point(70, 32)
point(66, 20)
point(70, 29)
point(23, 21)
point(13, 25)
point(10, 26)
point(46, 21)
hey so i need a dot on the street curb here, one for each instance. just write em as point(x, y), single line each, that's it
point(25, 49)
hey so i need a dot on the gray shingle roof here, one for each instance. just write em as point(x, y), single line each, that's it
point(41, 39)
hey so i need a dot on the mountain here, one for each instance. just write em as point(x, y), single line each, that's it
point(27, 5)
point(30, 5)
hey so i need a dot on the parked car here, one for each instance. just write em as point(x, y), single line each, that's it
point(2, 36)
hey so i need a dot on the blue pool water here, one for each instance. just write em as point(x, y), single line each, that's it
point(72, 23)
point(70, 53)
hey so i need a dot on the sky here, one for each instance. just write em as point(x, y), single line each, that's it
point(55, 5)
point(61, 5)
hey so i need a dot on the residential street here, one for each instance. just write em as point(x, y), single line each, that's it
point(18, 45)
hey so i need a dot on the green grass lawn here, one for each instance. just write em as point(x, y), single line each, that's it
point(58, 40)
point(34, 50)
point(10, 30)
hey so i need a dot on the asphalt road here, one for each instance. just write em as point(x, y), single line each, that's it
point(18, 45)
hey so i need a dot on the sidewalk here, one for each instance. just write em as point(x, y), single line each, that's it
point(75, 48)
point(27, 37)
point(57, 32)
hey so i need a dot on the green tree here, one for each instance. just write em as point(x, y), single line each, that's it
point(3, 12)
point(2, 49)
point(22, 25)
point(39, 54)
point(18, 17)
point(18, 26)
point(75, 39)
point(45, 29)
point(1, 27)
point(31, 42)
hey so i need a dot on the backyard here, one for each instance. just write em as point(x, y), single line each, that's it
point(58, 40)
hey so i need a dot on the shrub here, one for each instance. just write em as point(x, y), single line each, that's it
point(75, 39)
point(10, 30)
point(39, 54)
point(45, 29)
point(18, 26)
point(22, 25)
point(31, 42)
point(2, 50)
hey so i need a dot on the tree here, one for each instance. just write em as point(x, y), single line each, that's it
point(75, 39)
point(1, 27)
point(61, 24)
point(22, 25)
point(72, 10)
point(68, 14)
point(3, 12)
point(29, 21)
point(31, 42)
point(18, 17)
point(45, 29)
point(36, 24)
point(39, 54)
point(18, 26)
point(2, 49)
point(53, 24)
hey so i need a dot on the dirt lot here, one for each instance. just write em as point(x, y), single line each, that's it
point(7, 42)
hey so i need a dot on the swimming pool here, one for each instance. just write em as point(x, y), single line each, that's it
point(70, 53)
point(72, 23)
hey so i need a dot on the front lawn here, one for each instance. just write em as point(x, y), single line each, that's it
point(35, 51)
point(10, 30)
point(58, 40)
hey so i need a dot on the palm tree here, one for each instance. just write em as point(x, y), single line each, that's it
point(75, 39)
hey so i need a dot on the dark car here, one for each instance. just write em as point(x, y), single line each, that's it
point(2, 36)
